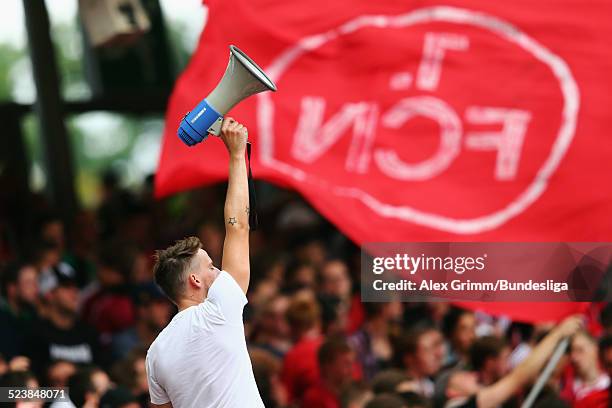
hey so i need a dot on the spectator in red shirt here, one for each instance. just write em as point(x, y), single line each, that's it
point(589, 379)
point(300, 368)
point(110, 308)
point(336, 364)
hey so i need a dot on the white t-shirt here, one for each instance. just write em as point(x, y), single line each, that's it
point(200, 359)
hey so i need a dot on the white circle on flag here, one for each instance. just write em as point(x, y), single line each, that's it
point(508, 32)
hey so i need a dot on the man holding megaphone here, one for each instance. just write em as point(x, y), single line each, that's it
point(200, 359)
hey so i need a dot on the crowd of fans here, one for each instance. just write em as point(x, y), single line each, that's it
point(79, 309)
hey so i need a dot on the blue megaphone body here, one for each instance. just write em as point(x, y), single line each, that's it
point(242, 78)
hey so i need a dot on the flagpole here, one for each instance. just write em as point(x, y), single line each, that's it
point(546, 373)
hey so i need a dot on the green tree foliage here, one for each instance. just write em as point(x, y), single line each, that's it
point(132, 131)
point(9, 56)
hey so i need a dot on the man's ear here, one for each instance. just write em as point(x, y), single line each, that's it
point(194, 280)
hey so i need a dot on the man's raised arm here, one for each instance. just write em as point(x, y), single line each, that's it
point(499, 392)
point(236, 212)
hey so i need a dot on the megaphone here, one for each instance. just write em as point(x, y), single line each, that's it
point(242, 78)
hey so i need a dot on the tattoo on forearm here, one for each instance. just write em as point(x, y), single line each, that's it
point(232, 221)
point(248, 210)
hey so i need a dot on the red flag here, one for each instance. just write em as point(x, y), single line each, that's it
point(473, 121)
point(476, 120)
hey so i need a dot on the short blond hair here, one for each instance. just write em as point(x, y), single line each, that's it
point(172, 264)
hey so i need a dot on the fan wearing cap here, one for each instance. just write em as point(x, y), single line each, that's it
point(60, 335)
point(153, 311)
point(200, 359)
